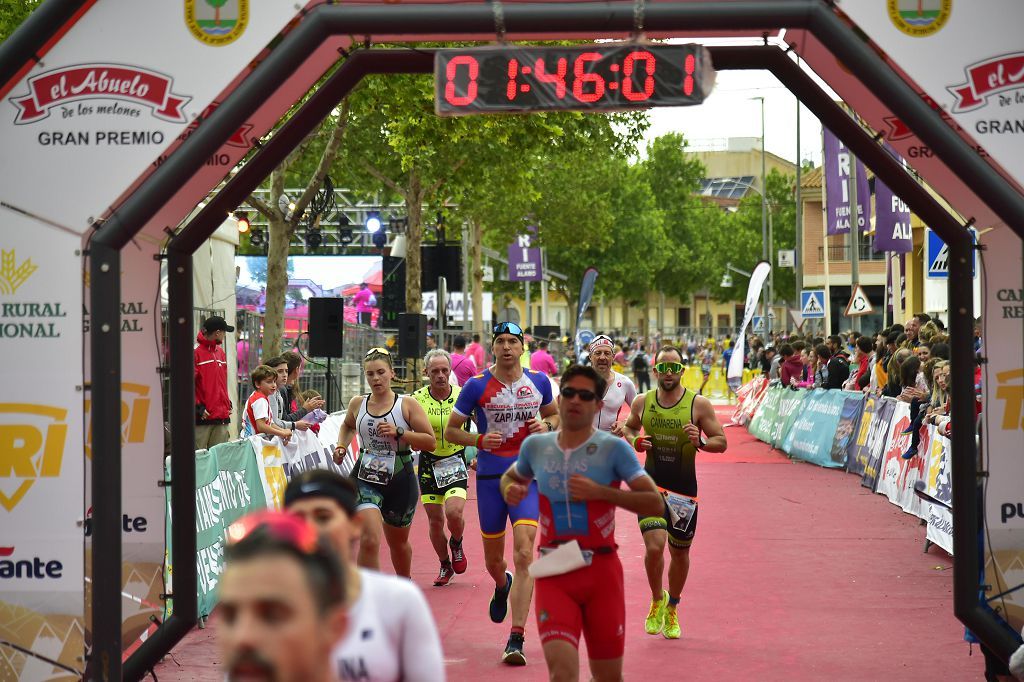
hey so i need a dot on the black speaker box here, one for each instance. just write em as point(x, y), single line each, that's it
point(326, 327)
point(392, 299)
point(441, 261)
point(544, 331)
point(412, 335)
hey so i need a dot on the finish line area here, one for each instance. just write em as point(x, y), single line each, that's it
point(797, 573)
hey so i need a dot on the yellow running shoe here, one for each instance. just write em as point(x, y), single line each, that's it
point(656, 616)
point(671, 628)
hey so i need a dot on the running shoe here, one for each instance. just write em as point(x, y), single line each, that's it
point(445, 575)
point(499, 602)
point(459, 561)
point(514, 650)
point(656, 616)
point(910, 453)
point(671, 629)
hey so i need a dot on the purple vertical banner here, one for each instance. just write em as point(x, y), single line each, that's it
point(524, 261)
point(892, 218)
point(838, 161)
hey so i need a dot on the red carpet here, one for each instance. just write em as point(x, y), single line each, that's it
point(797, 573)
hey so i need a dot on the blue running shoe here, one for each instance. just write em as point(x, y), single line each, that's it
point(499, 602)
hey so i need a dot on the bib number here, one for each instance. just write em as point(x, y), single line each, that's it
point(681, 510)
point(449, 471)
point(376, 467)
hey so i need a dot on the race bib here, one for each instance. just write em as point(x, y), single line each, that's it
point(681, 510)
point(450, 470)
point(376, 467)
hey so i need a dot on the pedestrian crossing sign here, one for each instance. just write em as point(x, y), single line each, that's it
point(937, 257)
point(812, 303)
point(758, 321)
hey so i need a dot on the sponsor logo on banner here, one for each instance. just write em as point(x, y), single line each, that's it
point(99, 89)
point(12, 273)
point(217, 22)
point(34, 568)
point(919, 18)
point(135, 405)
point(1010, 391)
point(990, 77)
point(133, 316)
point(32, 441)
point(1010, 510)
point(129, 524)
point(29, 319)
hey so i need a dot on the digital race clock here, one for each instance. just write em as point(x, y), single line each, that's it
point(608, 77)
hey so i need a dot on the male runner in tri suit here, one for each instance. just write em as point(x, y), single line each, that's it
point(677, 423)
point(443, 472)
point(578, 471)
point(620, 391)
point(509, 403)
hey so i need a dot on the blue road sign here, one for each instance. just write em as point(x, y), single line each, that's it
point(812, 303)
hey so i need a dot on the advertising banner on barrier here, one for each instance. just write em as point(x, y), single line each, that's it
point(748, 399)
point(857, 449)
point(763, 425)
point(897, 475)
point(41, 460)
point(790, 405)
point(878, 437)
point(228, 486)
point(938, 485)
point(849, 418)
point(811, 435)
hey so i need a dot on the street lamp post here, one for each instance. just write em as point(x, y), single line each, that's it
point(766, 231)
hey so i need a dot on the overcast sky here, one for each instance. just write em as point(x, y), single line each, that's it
point(730, 112)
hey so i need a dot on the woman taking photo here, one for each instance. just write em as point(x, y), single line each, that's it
point(389, 426)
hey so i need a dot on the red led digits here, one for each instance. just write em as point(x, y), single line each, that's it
point(558, 77)
point(513, 70)
point(627, 75)
point(583, 77)
point(451, 70)
point(689, 66)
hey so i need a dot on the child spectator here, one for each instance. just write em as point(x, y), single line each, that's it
point(306, 396)
point(258, 417)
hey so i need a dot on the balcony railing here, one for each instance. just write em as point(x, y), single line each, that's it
point(837, 254)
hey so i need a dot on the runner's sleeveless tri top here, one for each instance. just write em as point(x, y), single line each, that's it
point(671, 461)
point(438, 412)
point(370, 441)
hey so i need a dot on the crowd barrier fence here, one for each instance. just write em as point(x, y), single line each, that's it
point(864, 435)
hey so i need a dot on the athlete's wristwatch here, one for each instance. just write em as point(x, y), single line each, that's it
point(399, 432)
point(703, 442)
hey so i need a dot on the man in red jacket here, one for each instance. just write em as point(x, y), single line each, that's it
point(213, 406)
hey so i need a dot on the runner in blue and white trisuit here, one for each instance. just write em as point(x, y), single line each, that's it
point(509, 403)
point(620, 391)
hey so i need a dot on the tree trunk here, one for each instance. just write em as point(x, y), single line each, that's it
point(625, 317)
point(476, 269)
point(413, 265)
point(277, 285)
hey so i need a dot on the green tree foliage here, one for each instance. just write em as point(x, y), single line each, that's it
point(692, 225)
point(743, 244)
point(13, 13)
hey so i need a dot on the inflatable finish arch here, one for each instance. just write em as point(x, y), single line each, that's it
point(210, 129)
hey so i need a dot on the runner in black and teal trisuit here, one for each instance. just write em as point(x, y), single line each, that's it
point(443, 472)
point(673, 420)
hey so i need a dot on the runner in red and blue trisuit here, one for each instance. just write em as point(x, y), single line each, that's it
point(508, 403)
point(578, 471)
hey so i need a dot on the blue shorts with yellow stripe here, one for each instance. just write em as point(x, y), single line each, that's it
point(493, 510)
